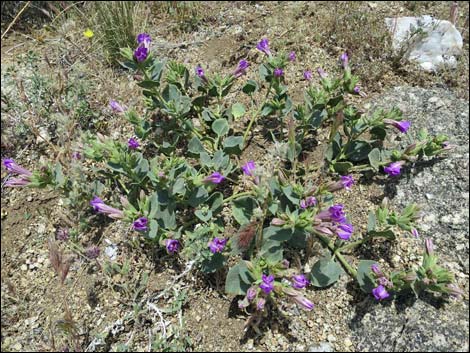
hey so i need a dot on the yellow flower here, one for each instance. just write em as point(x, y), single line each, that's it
point(88, 33)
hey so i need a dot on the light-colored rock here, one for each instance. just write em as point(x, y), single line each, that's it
point(426, 40)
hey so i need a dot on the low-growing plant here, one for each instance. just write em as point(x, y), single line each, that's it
point(180, 186)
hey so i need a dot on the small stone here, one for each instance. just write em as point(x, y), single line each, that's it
point(198, 318)
point(347, 342)
point(331, 338)
point(322, 347)
point(24, 267)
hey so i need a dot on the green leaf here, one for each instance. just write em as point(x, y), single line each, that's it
point(238, 110)
point(168, 218)
point(233, 141)
point(242, 209)
point(59, 175)
point(388, 234)
point(271, 251)
point(195, 146)
point(374, 159)
point(278, 234)
point(371, 222)
point(216, 200)
point(220, 127)
point(203, 215)
point(250, 87)
point(325, 272)
point(358, 150)
point(153, 229)
point(198, 196)
point(299, 239)
point(238, 279)
point(148, 84)
point(179, 187)
point(211, 265)
point(342, 167)
point(364, 275)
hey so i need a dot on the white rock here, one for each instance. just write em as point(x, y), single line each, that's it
point(439, 43)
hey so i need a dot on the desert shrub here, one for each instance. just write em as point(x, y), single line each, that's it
point(180, 185)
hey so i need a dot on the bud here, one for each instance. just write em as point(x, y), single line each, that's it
point(251, 293)
point(455, 291)
point(278, 222)
point(429, 246)
point(410, 277)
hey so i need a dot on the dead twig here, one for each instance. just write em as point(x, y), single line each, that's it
point(15, 19)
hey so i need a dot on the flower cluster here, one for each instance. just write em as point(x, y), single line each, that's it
point(143, 49)
point(13, 168)
point(380, 292)
point(333, 221)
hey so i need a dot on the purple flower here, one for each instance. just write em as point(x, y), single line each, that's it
point(308, 75)
point(344, 59)
point(133, 143)
point(337, 213)
point(115, 106)
point(344, 231)
point(62, 234)
point(172, 245)
point(357, 89)
point(414, 231)
point(249, 168)
point(292, 56)
point(141, 54)
point(18, 182)
point(394, 168)
point(93, 252)
point(403, 125)
point(322, 73)
point(241, 68)
point(99, 206)
point(300, 281)
point(76, 155)
point(217, 245)
point(303, 302)
point(251, 293)
point(267, 285)
point(143, 38)
point(278, 72)
point(380, 293)
point(200, 71)
point(140, 224)
point(215, 178)
point(260, 304)
point(347, 181)
point(263, 46)
point(14, 168)
point(376, 269)
point(308, 202)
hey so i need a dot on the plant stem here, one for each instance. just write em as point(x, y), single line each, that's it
point(234, 196)
point(255, 115)
point(337, 252)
